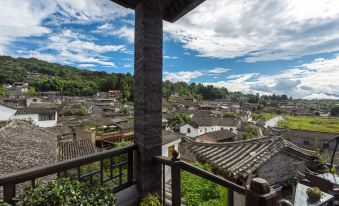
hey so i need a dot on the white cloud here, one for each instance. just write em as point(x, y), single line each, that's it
point(86, 65)
point(182, 76)
point(187, 76)
point(123, 32)
point(261, 30)
point(218, 70)
point(70, 47)
point(84, 11)
point(318, 79)
point(28, 18)
point(170, 57)
point(321, 96)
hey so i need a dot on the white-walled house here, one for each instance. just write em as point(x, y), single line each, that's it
point(42, 117)
point(170, 142)
point(206, 124)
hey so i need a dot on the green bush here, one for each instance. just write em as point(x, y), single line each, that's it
point(251, 132)
point(314, 193)
point(150, 200)
point(229, 114)
point(62, 192)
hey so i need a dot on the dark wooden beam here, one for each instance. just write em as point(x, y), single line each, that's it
point(173, 9)
point(176, 9)
point(148, 93)
point(126, 3)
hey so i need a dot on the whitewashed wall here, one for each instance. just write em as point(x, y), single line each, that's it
point(6, 113)
point(165, 154)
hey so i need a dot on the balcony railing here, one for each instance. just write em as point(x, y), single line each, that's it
point(115, 165)
point(257, 191)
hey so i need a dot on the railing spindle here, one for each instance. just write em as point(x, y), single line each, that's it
point(9, 193)
point(175, 173)
point(101, 172)
point(130, 167)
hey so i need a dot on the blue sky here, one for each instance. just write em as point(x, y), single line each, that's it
point(272, 46)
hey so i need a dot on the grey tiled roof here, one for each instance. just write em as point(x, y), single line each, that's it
point(73, 149)
point(35, 110)
point(220, 135)
point(25, 146)
point(239, 159)
point(168, 136)
point(214, 121)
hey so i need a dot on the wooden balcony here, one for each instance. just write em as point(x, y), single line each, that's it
point(257, 192)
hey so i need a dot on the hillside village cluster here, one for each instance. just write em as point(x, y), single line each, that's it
point(50, 127)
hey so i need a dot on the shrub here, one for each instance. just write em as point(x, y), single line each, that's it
point(62, 192)
point(314, 193)
point(229, 114)
point(251, 132)
point(150, 200)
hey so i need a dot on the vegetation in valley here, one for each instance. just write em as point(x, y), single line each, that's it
point(311, 123)
point(198, 191)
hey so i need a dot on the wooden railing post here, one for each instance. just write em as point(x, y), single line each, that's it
point(175, 173)
point(259, 193)
point(9, 193)
point(130, 169)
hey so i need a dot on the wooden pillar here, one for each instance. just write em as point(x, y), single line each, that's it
point(148, 93)
point(259, 193)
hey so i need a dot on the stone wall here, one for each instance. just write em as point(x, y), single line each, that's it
point(280, 168)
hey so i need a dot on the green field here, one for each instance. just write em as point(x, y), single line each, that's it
point(264, 115)
point(320, 124)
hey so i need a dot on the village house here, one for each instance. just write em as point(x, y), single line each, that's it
point(205, 124)
point(41, 116)
point(272, 158)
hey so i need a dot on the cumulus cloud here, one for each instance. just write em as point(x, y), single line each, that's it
point(259, 30)
point(74, 48)
point(182, 76)
point(30, 18)
point(124, 32)
point(317, 79)
point(187, 76)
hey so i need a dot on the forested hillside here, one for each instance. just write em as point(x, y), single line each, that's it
point(45, 76)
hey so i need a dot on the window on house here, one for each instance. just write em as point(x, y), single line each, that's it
point(188, 130)
point(46, 117)
point(170, 151)
point(35, 100)
point(205, 129)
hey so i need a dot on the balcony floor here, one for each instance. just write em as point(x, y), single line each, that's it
point(128, 197)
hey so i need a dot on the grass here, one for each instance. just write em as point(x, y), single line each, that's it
point(320, 124)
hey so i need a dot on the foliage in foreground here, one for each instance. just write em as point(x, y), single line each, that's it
point(150, 200)
point(198, 191)
point(62, 192)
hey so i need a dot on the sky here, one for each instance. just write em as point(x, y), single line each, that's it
point(253, 46)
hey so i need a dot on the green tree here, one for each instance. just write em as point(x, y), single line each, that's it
point(251, 132)
point(31, 91)
point(3, 91)
point(178, 119)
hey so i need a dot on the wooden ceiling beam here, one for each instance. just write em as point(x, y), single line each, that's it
point(173, 9)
